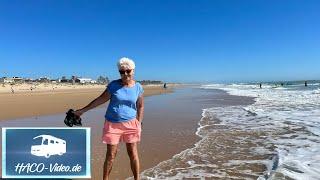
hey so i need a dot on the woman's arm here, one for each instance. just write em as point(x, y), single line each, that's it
point(140, 108)
point(104, 97)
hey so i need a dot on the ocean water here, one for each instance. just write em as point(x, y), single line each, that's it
point(277, 137)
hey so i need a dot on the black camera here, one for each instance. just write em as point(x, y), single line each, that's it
point(72, 119)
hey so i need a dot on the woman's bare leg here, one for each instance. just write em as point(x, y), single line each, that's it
point(132, 149)
point(110, 156)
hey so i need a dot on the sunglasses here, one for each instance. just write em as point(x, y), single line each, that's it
point(128, 71)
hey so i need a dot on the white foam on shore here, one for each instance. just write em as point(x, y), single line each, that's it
point(202, 162)
point(294, 111)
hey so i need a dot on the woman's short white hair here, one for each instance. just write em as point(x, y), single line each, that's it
point(126, 63)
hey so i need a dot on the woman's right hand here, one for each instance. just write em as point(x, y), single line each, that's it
point(78, 112)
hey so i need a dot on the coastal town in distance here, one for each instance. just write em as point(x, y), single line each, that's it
point(20, 84)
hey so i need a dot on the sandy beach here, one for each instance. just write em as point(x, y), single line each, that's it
point(43, 100)
point(170, 123)
point(208, 133)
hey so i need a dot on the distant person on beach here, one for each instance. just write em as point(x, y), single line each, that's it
point(12, 90)
point(123, 117)
point(260, 85)
point(165, 85)
point(305, 84)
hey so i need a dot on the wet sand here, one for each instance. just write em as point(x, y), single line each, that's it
point(169, 127)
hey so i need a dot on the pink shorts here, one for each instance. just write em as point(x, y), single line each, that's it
point(128, 132)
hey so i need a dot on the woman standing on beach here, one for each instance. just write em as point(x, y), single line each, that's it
point(123, 116)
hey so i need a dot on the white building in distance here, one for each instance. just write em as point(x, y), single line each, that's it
point(86, 80)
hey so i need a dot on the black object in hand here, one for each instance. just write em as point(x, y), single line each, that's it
point(72, 119)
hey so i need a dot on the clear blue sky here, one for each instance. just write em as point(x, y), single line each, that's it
point(182, 40)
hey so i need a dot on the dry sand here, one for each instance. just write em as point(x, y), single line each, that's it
point(45, 101)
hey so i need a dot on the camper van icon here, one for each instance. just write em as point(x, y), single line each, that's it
point(47, 145)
